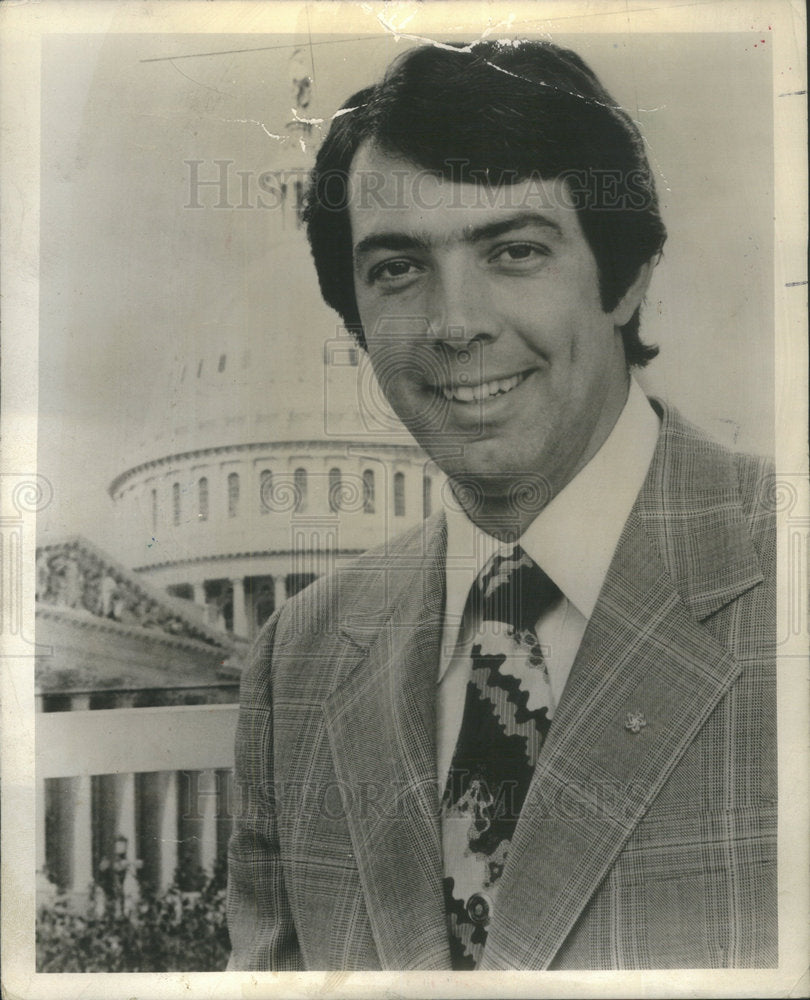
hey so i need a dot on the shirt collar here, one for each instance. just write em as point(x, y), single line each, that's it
point(574, 537)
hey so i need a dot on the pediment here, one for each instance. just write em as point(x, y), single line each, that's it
point(75, 577)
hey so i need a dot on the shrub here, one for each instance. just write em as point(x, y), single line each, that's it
point(176, 931)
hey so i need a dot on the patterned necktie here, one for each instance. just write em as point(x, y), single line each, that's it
point(507, 713)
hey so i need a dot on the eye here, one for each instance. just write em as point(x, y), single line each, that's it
point(392, 273)
point(517, 255)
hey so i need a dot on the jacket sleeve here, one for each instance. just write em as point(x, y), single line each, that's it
point(260, 922)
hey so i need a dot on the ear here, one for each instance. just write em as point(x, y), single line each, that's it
point(634, 295)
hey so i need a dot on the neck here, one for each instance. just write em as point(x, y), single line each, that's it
point(504, 516)
point(506, 509)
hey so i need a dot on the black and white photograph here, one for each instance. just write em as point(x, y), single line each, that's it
point(405, 566)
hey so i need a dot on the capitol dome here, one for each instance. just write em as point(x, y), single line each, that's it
point(266, 377)
point(266, 453)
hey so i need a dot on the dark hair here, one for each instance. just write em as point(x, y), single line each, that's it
point(494, 113)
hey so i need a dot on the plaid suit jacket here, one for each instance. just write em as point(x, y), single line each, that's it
point(653, 848)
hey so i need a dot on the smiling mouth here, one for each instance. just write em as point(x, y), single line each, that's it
point(486, 390)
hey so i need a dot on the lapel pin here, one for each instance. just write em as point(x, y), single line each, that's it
point(635, 722)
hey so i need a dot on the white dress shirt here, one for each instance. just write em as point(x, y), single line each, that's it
point(572, 539)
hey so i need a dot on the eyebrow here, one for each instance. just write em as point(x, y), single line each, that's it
point(398, 240)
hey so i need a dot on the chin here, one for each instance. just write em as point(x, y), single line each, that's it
point(508, 484)
point(496, 460)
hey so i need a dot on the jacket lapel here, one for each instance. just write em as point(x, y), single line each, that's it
point(646, 678)
point(381, 727)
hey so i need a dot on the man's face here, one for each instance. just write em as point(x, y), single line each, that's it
point(484, 322)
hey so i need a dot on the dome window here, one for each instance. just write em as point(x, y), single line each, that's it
point(399, 494)
point(368, 491)
point(233, 494)
point(202, 499)
point(335, 489)
point(300, 484)
point(265, 491)
point(426, 496)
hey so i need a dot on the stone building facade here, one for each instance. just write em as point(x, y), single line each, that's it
point(110, 640)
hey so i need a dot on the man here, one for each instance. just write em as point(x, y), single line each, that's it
point(536, 732)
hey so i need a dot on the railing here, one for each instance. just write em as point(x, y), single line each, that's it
point(150, 785)
point(135, 740)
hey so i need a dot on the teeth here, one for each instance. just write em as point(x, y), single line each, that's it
point(468, 394)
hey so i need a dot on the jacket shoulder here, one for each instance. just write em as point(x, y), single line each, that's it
point(708, 509)
point(747, 477)
point(362, 582)
point(759, 493)
point(708, 464)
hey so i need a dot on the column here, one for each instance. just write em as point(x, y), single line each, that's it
point(198, 593)
point(413, 494)
point(318, 490)
point(81, 835)
point(125, 812)
point(79, 813)
point(279, 590)
point(207, 799)
point(226, 803)
point(240, 624)
point(43, 887)
point(167, 828)
point(40, 824)
point(125, 826)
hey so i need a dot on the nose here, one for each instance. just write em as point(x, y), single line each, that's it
point(461, 311)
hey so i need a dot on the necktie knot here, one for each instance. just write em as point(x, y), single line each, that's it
point(512, 589)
